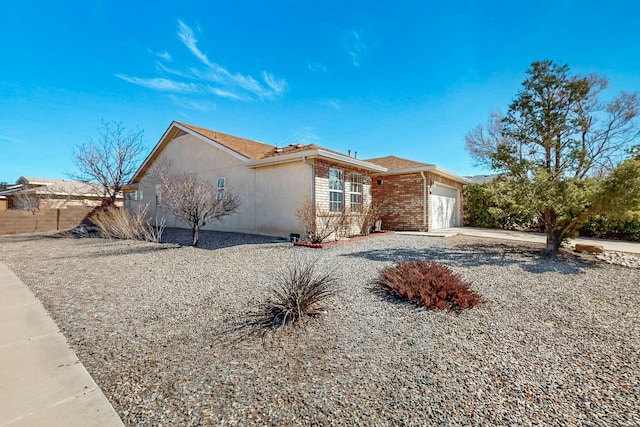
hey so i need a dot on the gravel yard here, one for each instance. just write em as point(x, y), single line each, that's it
point(557, 341)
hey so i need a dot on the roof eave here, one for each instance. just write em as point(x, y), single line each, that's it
point(286, 158)
point(428, 168)
point(144, 166)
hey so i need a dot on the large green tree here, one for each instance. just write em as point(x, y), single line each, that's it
point(560, 149)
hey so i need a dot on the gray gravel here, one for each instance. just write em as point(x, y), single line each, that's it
point(557, 341)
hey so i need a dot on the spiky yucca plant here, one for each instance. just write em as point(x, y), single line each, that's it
point(299, 292)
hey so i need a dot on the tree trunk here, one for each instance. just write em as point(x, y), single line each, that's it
point(554, 236)
point(194, 236)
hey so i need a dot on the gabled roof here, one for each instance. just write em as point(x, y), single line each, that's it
point(393, 162)
point(246, 147)
point(54, 187)
point(257, 154)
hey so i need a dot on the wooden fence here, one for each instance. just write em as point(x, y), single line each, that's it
point(21, 221)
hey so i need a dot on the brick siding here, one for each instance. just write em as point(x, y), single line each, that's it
point(400, 200)
point(321, 176)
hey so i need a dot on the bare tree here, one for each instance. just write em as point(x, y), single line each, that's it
point(193, 200)
point(111, 160)
point(27, 200)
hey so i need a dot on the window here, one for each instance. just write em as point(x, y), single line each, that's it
point(336, 190)
point(158, 195)
point(356, 192)
point(136, 195)
point(221, 185)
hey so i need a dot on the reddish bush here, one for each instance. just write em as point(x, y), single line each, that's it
point(429, 284)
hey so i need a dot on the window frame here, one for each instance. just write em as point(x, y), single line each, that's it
point(356, 187)
point(158, 195)
point(221, 189)
point(338, 204)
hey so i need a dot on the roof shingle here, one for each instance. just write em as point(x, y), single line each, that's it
point(393, 162)
point(245, 147)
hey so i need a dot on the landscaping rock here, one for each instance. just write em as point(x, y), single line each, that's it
point(555, 344)
point(592, 249)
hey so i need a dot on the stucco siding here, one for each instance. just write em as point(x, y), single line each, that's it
point(188, 154)
point(269, 196)
point(280, 191)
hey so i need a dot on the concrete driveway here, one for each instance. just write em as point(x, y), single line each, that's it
point(608, 245)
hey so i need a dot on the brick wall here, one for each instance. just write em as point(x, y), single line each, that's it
point(20, 221)
point(400, 199)
point(321, 191)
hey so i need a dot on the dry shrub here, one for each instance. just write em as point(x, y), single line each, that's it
point(118, 223)
point(321, 224)
point(427, 283)
point(299, 292)
point(368, 218)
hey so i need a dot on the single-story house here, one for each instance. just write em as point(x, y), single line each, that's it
point(46, 193)
point(272, 183)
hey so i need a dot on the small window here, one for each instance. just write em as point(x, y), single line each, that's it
point(356, 192)
point(136, 195)
point(221, 185)
point(336, 190)
point(158, 195)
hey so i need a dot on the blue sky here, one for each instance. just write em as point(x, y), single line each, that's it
point(406, 78)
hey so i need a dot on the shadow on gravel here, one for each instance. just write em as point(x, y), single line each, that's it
point(213, 239)
point(22, 238)
point(530, 260)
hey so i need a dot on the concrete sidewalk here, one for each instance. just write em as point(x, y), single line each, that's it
point(608, 245)
point(42, 382)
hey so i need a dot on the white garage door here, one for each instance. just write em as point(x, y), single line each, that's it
point(444, 207)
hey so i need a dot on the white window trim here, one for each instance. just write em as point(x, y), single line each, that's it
point(360, 193)
point(341, 192)
point(158, 195)
point(221, 189)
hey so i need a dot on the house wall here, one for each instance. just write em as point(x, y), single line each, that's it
point(279, 191)
point(268, 196)
point(400, 200)
point(321, 192)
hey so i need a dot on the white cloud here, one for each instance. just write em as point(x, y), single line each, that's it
point(186, 36)
point(304, 135)
point(164, 55)
point(333, 103)
point(229, 85)
point(355, 45)
point(277, 86)
point(317, 67)
point(160, 83)
point(227, 94)
point(12, 140)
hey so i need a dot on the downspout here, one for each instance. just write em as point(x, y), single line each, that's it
point(313, 178)
point(424, 200)
point(313, 184)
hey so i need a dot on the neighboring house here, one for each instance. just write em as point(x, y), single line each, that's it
point(273, 182)
point(482, 179)
point(45, 193)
